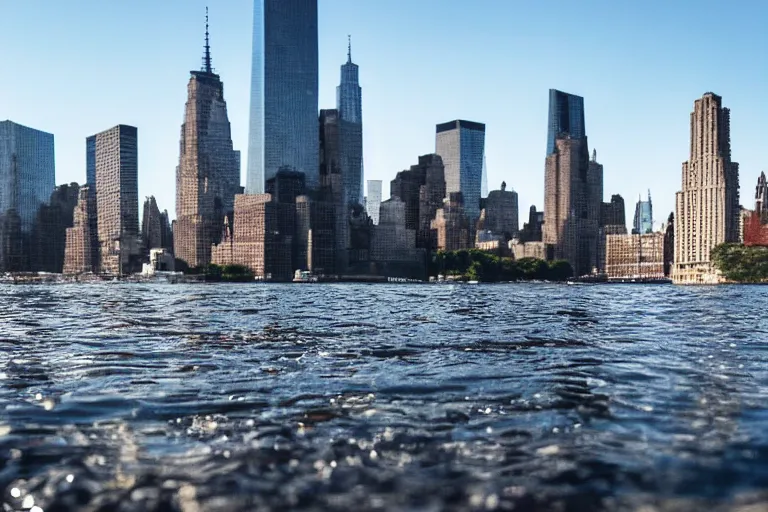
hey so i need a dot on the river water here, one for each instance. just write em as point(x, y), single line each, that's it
point(134, 397)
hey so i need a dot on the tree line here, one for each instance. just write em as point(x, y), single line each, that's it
point(477, 265)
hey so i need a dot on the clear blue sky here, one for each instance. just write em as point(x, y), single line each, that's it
point(76, 67)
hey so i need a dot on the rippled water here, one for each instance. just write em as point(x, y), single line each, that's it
point(354, 397)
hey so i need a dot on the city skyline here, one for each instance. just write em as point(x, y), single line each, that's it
point(617, 126)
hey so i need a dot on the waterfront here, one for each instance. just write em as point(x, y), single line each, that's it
point(395, 397)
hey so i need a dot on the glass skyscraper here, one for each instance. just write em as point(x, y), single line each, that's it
point(566, 115)
point(27, 179)
point(461, 144)
point(284, 92)
point(643, 221)
point(349, 105)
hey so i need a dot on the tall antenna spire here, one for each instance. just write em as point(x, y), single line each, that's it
point(349, 49)
point(207, 56)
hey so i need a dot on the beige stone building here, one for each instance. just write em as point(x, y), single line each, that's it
point(707, 209)
point(451, 225)
point(77, 251)
point(635, 256)
point(528, 250)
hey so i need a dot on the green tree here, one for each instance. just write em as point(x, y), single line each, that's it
point(560, 270)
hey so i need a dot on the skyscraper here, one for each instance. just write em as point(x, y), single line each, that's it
point(77, 251)
point(707, 209)
point(501, 212)
point(208, 175)
point(115, 162)
point(373, 200)
point(461, 144)
point(27, 179)
point(566, 116)
point(643, 221)
point(284, 92)
point(349, 105)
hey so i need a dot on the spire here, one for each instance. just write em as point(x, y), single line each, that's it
point(349, 49)
point(207, 55)
point(594, 155)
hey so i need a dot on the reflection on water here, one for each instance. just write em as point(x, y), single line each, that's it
point(356, 397)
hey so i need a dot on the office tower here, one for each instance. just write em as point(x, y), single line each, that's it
point(373, 200)
point(208, 175)
point(349, 105)
point(566, 117)
point(532, 230)
point(114, 165)
point(284, 91)
point(27, 179)
point(501, 212)
point(166, 232)
point(613, 213)
point(643, 221)
point(761, 198)
point(315, 247)
point(151, 225)
point(261, 238)
point(77, 253)
point(461, 144)
point(755, 223)
point(451, 225)
point(332, 182)
point(484, 180)
point(49, 231)
point(707, 210)
point(571, 204)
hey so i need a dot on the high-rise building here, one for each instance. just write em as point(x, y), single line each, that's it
point(613, 213)
point(373, 200)
point(49, 233)
point(208, 175)
point(761, 198)
point(114, 161)
point(451, 226)
point(501, 212)
point(635, 256)
point(572, 205)
point(422, 189)
point(27, 179)
point(349, 105)
point(532, 230)
point(707, 210)
point(643, 221)
point(461, 144)
point(151, 225)
point(566, 117)
point(284, 92)
point(77, 252)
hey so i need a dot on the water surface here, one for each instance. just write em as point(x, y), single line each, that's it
point(135, 397)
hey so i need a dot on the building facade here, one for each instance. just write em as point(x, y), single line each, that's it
point(27, 179)
point(501, 212)
point(49, 233)
point(566, 117)
point(451, 225)
point(461, 145)
point(373, 200)
point(572, 205)
point(643, 221)
point(284, 92)
point(115, 164)
point(707, 207)
point(77, 252)
point(208, 175)
point(635, 256)
point(349, 105)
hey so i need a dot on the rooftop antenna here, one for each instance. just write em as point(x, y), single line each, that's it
point(349, 49)
point(207, 56)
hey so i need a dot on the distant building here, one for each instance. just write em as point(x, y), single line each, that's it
point(566, 118)
point(393, 244)
point(284, 92)
point(315, 248)
point(160, 260)
point(761, 198)
point(115, 163)
point(532, 230)
point(707, 211)
point(151, 226)
point(349, 105)
point(77, 253)
point(49, 233)
point(501, 212)
point(613, 212)
point(373, 200)
point(208, 175)
point(636, 256)
point(536, 250)
point(755, 229)
point(261, 238)
point(669, 245)
point(451, 225)
point(27, 179)
point(461, 144)
point(333, 183)
point(572, 197)
point(643, 221)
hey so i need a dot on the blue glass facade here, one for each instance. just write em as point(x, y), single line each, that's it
point(566, 115)
point(284, 92)
point(349, 105)
point(27, 179)
point(643, 221)
point(461, 144)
